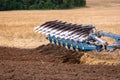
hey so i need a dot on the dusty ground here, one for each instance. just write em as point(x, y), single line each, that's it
point(51, 63)
point(35, 59)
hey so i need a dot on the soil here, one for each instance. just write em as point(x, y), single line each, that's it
point(50, 62)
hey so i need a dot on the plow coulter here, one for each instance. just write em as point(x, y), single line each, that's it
point(77, 37)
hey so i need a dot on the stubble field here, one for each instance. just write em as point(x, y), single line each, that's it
point(25, 54)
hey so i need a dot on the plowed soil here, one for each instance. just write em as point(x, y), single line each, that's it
point(50, 63)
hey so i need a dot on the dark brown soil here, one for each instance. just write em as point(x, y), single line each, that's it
point(50, 63)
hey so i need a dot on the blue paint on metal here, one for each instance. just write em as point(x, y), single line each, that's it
point(59, 41)
point(50, 38)
point(75, 45)
point(63, 42)
point(69, 43)
point(89, 47)
point(80, 46)
point(55, 40)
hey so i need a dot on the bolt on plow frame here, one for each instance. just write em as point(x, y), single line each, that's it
point(77, 37)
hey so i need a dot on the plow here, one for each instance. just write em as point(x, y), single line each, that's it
point(77, 37)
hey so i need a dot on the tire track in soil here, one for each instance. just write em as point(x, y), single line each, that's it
point(50, 62)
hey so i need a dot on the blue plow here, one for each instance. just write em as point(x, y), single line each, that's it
point(77, 37)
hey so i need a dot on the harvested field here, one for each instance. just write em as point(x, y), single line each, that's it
point(26, 55)
point(16, 27)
